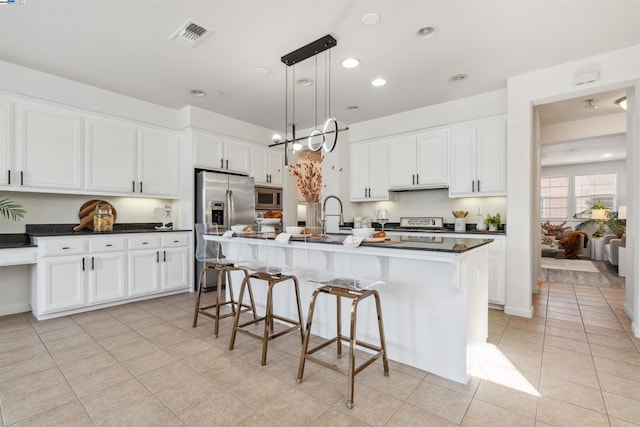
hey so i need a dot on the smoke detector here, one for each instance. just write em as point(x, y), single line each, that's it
point(189, 34)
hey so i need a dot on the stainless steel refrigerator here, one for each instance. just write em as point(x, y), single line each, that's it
point(223, 199)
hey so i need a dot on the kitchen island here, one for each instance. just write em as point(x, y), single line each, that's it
point(434, 295)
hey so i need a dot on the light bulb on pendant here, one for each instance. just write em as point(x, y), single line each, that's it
point(297, 146)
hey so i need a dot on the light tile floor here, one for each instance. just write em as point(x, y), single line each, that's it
point(573, 364)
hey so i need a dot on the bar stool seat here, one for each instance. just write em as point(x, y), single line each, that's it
point(271, 279)
point(345, 288)
point(209, 254)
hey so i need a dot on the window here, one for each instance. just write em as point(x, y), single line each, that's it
point(588, 188)
point(554, 197)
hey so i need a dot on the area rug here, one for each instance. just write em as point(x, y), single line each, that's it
point(569, 264)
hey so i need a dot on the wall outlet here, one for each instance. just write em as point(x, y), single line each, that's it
point(478, 210)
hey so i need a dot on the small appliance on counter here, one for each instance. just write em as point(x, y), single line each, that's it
point(165, 216)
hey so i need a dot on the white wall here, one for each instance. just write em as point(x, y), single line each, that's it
point(618, 69)
point(64, 208)
point(434, 203)
point(585, 128)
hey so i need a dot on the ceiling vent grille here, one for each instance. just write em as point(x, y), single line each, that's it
point(189, 34)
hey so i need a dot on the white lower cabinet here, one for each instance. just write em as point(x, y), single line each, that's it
point(80, 272)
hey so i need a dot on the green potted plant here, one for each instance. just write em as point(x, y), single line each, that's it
point(11, 210)
point(616, 225)
point(492, 222)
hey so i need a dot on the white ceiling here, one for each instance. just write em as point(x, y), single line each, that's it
point(573, 109)
point(123, 46)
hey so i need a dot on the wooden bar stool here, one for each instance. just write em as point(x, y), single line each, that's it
point(210, 253)
point(343, 288)
point(268, 332)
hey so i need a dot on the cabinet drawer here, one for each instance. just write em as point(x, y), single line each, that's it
point(107, 244)
point(144, 242)
point(174, 240)
point(55, 247)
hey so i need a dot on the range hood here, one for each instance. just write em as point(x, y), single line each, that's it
point(421, 188)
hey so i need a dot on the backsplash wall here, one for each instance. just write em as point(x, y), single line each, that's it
point(433, 203)
point(63, 209)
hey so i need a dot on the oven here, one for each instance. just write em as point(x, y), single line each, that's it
point(269, 198)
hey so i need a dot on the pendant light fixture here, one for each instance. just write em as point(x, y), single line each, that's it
point(327, 137)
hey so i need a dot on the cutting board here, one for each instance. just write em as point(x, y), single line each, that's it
point(88, 211)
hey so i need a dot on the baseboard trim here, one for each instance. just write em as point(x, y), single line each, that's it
point(519, 311)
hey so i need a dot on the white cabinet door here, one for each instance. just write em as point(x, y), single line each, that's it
point(158, 163)
point(107, 277)
point(110, 158)
point(402, 162)
point(275, 167)
point(50, 148)
point(491, 158)
point(432, 159)
point(463, 162)
point(175, 269)
point(6, 152)
point(236, 157)
point(63, 283)
point(208, 151)
point(359, 171)
point(259, 166)
point(144, 272)
point(378, 172)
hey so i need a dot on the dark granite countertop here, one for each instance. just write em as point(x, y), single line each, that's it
point(18, 240)
point(49, 230)
point(418, 242)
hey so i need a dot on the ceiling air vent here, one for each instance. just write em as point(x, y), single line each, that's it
point(189, 33)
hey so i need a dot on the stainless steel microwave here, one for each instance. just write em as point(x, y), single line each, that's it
point(269, 198)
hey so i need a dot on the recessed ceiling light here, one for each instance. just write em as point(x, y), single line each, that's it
point(378, 82)
point(197, 92)
point(352, 108)
point(350, 63)
point(607, 155)
point(219, 92)
point(426, 32)
point(263, 70)
point(371, 19)
point(457, 78)
point(305, 82)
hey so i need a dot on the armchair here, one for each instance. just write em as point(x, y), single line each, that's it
point(610, 251)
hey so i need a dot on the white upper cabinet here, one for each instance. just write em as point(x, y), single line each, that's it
point(49, 148)
point(214, 152)
point(417, 162)
point(478, 160)
point(6, 152)
point(110, 156)
point(266, 166)
point(368, 171)
point(158, 163)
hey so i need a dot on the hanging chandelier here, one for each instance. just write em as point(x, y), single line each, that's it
point(327, 137)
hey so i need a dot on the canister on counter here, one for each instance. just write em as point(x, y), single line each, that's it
point(103, 219)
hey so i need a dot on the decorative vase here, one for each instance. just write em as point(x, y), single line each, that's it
point(460, 225)
point(313, 217)
point(480, 224)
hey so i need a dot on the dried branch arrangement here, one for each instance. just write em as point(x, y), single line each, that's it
point(308, 174)
point(549, 229)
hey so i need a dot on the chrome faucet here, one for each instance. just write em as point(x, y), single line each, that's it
point(324, 209)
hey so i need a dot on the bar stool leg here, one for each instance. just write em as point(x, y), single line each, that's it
point(307, 335)
point(297, 289)
point(268, 323)
point(352, 354)
point(383, 343)
point(195, 315)
point(218, 294)
point(236, 318)
point(251, 300)
point(339, 326)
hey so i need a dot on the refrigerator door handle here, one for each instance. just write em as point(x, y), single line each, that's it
point(229, 210)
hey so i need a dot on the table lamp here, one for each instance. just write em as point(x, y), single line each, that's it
point(600, 215)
